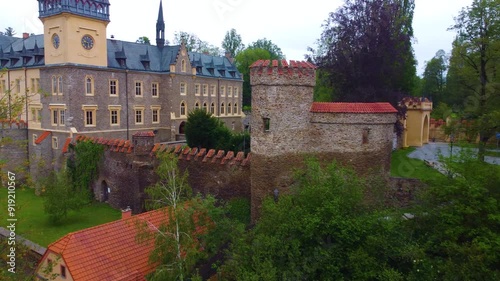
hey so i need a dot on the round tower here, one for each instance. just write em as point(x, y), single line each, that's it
point(282, 94)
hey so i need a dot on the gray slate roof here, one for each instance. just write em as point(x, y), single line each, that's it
point(121, 55)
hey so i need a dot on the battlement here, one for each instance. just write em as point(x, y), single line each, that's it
point(418, 103)
point(295, 73)
point(184, 153)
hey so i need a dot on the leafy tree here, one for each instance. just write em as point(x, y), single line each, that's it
point(232, 43)
point(323, 230)
point(205, 131)
point(368, 54)
point(195, 44)
point(434, 80)
point(9, 31)
point(143, 40)
point(269, 46)
point(477, 50)
point(244, 60)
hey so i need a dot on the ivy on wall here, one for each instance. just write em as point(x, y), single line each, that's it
point(83, 164)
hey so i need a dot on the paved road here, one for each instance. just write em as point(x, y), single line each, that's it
point(431, 152)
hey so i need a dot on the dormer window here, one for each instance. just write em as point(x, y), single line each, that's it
point(222, 72)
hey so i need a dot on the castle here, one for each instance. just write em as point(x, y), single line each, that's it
point(76, 80)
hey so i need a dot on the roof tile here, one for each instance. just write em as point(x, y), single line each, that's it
point(355, 107)
point(42, 137)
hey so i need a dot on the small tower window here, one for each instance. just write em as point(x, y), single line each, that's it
point(366, 133)
point(267, 124)
point(183, 66)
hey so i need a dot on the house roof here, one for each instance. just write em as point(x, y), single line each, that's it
point(352, 107)
point(110, 251)
point(42, 137)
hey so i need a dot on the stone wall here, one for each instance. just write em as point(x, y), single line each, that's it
point(13, 150)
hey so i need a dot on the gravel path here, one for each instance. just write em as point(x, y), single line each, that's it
point(431, 152)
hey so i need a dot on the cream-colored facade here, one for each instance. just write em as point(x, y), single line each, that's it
point(417, 122)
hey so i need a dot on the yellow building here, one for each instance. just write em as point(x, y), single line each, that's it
point(417, 121)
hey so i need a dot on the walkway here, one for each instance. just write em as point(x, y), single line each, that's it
point(431, 152)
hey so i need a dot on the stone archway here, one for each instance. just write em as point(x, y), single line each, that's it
point(425, 129)
point(104, 191)
point(181, 127)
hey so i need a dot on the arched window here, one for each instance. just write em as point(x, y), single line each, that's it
point(89, 85)
point(205, 106)
point(229, 108)
point(183, 108)
point(235, 111)
point(222, 107)
point(183, 66)
point(212, 108)
point(197, 105)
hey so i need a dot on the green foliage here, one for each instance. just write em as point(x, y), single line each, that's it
point(434, 80)
point(323, 91)
point(441, 111)
point(457, 223)
point(239, 209)
point(143, 40)
point(83, 166)
point(203, 130)
point(324, 230)
point(232, 43)
point(195, 44)
point(60, 197)
point(269, 46)
point(243, 61)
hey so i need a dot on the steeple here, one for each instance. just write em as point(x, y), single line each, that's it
point(160, 28)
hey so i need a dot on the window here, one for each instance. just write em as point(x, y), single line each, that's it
point(63, 271)
point(222, 91)
point(89, 85)
point(33, 141)
point(59, 85)
point(183, 88)
point(183, 109)
point(196, 89)
point(235, 111)
point(267, 124)
point(222, 108)
point(155, 117)
point(35, 85)
point(114, 114)
point(205, 90)
point(55, 143)
point(18, 86)
point(212, 90)
point(236, 92)
point(212, 108)
point(366, 133)
point(57, 113)
point(205, 106)
point(229, 108)
point(139, 115)
point(138, 88)
point(56, 85)
point(36, 114)
point(183, 66)
point(154, 89)
point(229, 91)
point(113, 87)
point(89, 115)
point(2, 86)
point(197, 105)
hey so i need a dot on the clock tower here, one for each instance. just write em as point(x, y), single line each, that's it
point(75, 31)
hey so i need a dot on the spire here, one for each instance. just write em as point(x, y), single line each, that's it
point(160, 28)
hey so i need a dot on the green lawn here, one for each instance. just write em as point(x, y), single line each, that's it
point(34, 225)
point(404, 167)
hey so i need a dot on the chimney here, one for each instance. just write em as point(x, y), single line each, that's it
point(127, 213)
point(229, 57)
point(26, 35)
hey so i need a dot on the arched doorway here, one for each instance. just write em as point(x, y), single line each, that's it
point(104, 191)
point(425, 130)
point(181, 128)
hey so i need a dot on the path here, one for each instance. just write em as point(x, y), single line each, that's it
point(431, 151)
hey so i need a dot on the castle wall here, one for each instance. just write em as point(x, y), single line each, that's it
point(13, 151)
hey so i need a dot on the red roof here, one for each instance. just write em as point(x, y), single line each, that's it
point(352, 107)
point(144, 134)
point(42, 137)
point(66, 145)
point(110, 251)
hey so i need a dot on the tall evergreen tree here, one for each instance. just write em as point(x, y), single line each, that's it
point(232, 43)
point(434, 80)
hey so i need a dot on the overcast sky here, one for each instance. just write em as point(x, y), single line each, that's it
point(292, 25)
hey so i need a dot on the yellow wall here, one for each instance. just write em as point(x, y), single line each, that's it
point(71, 28)
point(26, 89)
point(57, 261)
point(417, 125)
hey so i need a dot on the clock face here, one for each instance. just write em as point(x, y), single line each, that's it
point(55, 40)
point(87, 42)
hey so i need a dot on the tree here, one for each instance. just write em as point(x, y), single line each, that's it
point(204, 130)
point(269, 46)
point(434, 80)
point(478, 47)
point(369, 56)
point(232, 43)
point(143, 40)
point(244, 60)
point(9, 31)
point(324, 229)
point(195, 44)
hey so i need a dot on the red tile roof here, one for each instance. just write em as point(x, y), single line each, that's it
point(355, 107)
point(110, 251)
point(42, 137)
point(66, 145)
point(144, 134)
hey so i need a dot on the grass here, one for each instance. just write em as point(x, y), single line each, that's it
point(404, 167)
point(33, 224)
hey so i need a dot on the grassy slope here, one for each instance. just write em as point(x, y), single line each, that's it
point(404, 167)
point(34, 225)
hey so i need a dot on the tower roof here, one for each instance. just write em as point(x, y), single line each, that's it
point(160, 23)
point(97, 9)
